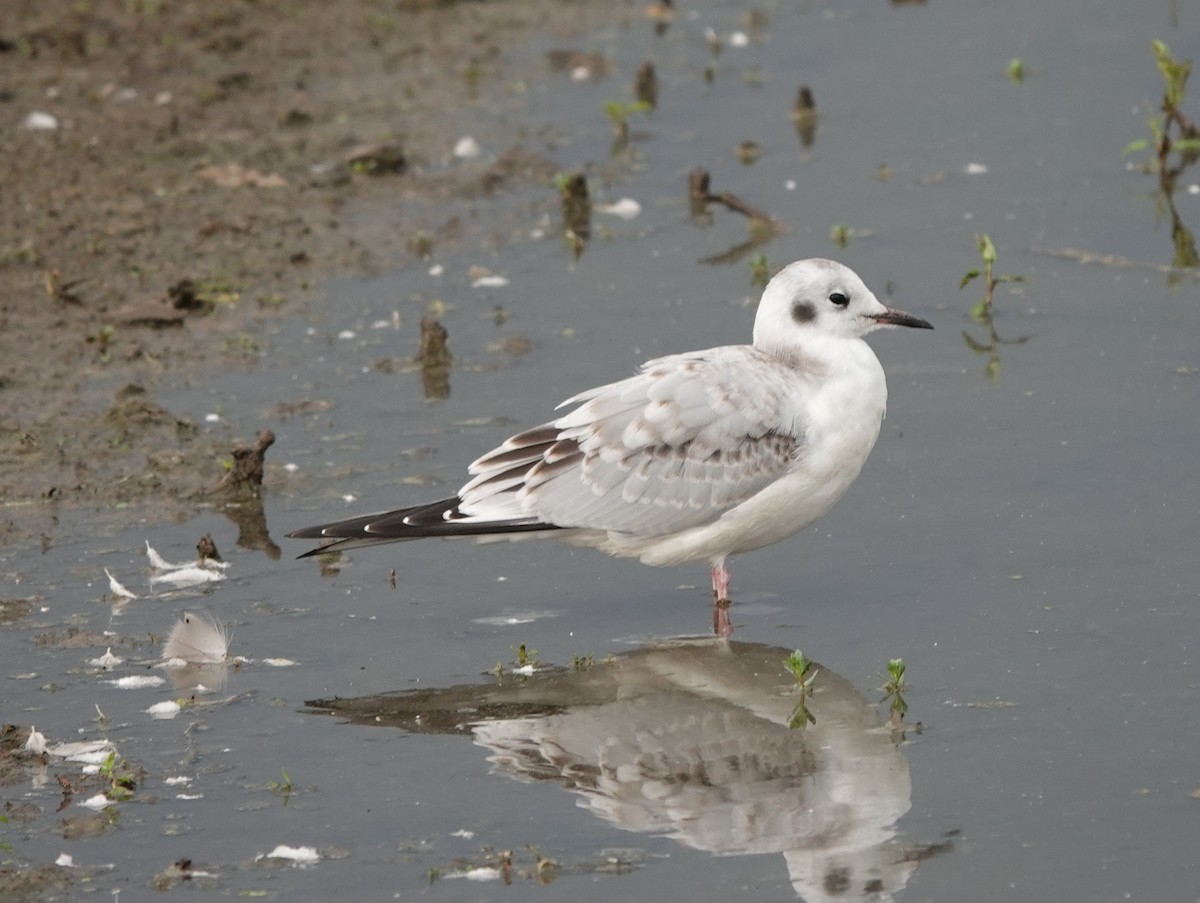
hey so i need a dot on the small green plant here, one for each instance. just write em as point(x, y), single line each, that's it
point(582, 662)
point(893, 691)
point(895, 679)
point(619, 112)
point(760, 271)
point(242, 345)
point(798, 665)
point(525, 656)
point(215, 290)
point(987, 252)
point(1171, 132)
point(1016, 70)
point(841, 233)
point(103, 341)
point(545, 870)
point(121, 778)
point(803, 671)
point(282, 787)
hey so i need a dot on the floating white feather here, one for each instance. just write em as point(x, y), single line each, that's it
point(197, 638)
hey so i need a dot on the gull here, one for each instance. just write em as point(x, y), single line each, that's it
point(696, 457)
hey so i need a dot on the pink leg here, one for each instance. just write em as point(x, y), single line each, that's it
point(720, 581)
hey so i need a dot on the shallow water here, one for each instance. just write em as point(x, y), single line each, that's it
point(1025, 545)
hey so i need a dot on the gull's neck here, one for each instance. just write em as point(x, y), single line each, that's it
point(821, 351)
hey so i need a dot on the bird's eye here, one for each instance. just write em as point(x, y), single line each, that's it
point(839, 298)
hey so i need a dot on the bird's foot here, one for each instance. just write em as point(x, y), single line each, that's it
point(720, 581)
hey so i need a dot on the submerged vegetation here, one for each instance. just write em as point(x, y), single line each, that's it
point(1174, 137)
point(987, 253)
point(1175, 141)
point(982, 311)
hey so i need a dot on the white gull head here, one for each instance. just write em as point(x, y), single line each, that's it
point(817, 298)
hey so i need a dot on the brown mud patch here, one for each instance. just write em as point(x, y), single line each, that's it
point(209, 163)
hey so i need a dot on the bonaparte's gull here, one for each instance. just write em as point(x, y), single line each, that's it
point(696, 457)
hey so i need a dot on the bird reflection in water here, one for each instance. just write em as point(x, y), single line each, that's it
point(689, 738)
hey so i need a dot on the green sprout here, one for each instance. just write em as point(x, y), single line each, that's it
point(103, 342)
point(525, 656)
point(982, 312)
point(545, 869)
point(895, 669)
point(893, 692)
point(760, 271)
point(1016, 70)
point(798, 665)
point(121, 778)
point(282, 788)
point(618, 113)
point(1175, 140)
point(805, 673)
point(841, 233)
point(987, 252)
point(1171, 132)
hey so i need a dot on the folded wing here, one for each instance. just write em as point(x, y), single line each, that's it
point(673, 447)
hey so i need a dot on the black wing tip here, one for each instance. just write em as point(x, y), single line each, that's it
point(419, 522)
point(320, 550)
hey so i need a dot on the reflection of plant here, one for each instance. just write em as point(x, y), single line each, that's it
point(893, 690)
point(987, 252)
point(802, 669)
point(991, 347)
point(1172, 132)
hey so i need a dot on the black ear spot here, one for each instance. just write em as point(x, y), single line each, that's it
point(803, 312)
point(840, 299)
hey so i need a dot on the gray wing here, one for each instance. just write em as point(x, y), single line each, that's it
point(687, 438)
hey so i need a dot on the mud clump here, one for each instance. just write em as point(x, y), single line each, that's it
point(245, 477)
point(435, 359)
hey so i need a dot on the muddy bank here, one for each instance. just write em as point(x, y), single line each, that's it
point(175, 174)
